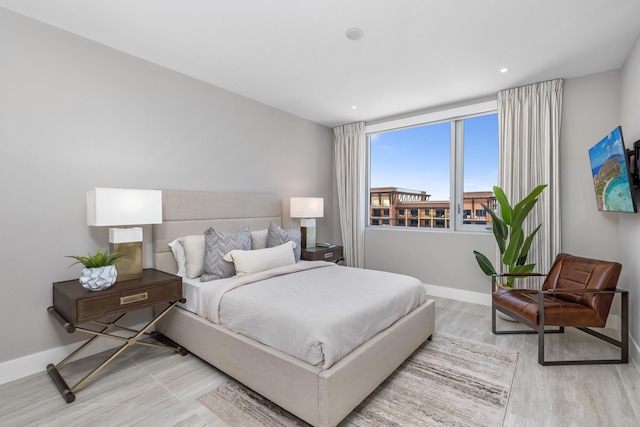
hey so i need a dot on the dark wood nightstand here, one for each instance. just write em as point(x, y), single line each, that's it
point(322, 254)
point(74, 305)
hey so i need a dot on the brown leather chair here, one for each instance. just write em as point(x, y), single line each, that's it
point(577, 292)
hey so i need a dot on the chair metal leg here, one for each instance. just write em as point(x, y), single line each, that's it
point(623, 344)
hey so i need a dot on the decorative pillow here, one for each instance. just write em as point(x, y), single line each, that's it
point(178, 254)
point(259, 239)
point(194, 255)
point(277, 236)
point(217, 244)
point(249, 262)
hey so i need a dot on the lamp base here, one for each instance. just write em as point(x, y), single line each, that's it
point(128, 243)
point(308, 237)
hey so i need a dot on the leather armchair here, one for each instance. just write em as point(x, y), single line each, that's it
point(577, 292)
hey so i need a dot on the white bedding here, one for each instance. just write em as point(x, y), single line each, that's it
point(315, 311)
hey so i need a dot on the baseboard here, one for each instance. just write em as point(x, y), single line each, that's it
point(37, 363)
point(459, 294)
point(613, 321)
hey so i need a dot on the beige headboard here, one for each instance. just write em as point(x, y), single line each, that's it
point(186, 213)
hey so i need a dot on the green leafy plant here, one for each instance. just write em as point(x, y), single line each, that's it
point(99, 259)
point(513, 245)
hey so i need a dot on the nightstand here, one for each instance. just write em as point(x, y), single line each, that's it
point(322, 254)
point(74, 305)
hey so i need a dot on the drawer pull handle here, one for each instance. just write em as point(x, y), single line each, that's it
point(134, 298)
point(328, 255)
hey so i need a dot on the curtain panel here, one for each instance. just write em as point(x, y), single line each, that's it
point(529, 119)
point(351, 165)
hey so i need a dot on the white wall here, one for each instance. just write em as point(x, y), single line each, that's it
point(591, 109)
point(437, 258)
point(629, 226)
point(75, 115)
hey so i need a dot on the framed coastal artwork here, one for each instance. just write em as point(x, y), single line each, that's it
point(610, 170)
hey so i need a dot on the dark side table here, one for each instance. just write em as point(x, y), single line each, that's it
point(332, 254)
point(74, 305)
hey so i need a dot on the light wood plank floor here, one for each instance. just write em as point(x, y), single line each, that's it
point(150, 387)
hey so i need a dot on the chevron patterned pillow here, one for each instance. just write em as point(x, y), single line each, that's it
point(217, 245)
point(277, 236)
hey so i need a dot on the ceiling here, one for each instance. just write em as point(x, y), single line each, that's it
point(414, 55)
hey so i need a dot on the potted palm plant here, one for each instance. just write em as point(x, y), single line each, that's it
point(509, 234)
point(99, 271)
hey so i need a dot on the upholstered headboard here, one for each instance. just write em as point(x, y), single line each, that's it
point(187, 213)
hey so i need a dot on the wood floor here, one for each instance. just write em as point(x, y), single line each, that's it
point(150, 387)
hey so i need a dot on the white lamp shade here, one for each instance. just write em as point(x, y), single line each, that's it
point(307, 207)
point(119, 206)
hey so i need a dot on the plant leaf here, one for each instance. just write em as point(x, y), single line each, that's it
point(505, 208)
point(513, 249)
point(524, 251)
point(99, 259)
point(533, 195)
point(500, 229)
point(527, 268)
point(520, 214)
point(484, 263)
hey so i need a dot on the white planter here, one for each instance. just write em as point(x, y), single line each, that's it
point(98, 279)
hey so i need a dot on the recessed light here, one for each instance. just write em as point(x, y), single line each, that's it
point(354, 107)
point(504, 70)
point(354, 33)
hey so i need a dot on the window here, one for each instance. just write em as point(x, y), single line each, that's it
point(444, 164)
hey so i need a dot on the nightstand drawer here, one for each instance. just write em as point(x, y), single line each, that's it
point(93, 308)
point(323, 254)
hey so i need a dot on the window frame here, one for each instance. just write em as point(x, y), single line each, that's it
point(455, 116)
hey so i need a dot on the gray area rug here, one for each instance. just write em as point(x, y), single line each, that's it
point(448, 381)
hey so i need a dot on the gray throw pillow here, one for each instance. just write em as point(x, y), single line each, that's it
point(277, 236)
point(216, 245)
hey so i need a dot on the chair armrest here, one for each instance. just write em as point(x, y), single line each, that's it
point(517, 274)
point(584, 291)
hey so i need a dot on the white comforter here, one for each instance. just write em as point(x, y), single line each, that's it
point(315, 311)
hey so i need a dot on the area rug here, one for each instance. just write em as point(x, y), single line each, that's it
point(448, 381)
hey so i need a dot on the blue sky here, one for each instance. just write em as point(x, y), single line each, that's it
point(419, 158)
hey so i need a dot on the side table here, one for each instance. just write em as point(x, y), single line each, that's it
point(73, 306)
point(333, 254)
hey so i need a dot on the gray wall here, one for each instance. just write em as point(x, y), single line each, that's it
point(591, 109)
point(629, 226)
point(75, 115)
point(437, 258)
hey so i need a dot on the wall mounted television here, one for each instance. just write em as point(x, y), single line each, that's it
point(610, 168)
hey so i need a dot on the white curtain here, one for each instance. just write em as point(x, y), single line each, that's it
point(351, 165)
point(529, 120)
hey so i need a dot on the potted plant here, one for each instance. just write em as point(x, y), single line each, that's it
point(99, 271)
point(514, 246)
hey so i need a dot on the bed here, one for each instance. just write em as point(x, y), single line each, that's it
point(321, 397)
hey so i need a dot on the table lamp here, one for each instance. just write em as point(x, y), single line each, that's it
point(308, 209)
point(123, 207)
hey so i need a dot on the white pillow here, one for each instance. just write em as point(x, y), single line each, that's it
point(194, 255)
point(249, 262)
point(259, 239)
point(178, 254)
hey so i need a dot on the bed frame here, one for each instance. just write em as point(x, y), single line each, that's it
point(319, 397)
